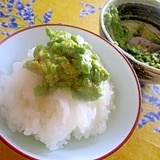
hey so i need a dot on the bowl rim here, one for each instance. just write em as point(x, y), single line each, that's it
point(106, 34)
point(118, 51)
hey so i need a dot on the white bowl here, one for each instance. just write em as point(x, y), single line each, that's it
point(122, 120)
point(146, 11)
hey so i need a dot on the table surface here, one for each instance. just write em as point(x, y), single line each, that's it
point(18, 14)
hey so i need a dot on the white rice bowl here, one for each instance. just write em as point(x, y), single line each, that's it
point(52, 119)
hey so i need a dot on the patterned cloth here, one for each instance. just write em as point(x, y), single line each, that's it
point(18, 14)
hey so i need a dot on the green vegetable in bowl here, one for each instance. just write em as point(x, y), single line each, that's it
point(67, 62)
point(117, 31)
point(139, 39)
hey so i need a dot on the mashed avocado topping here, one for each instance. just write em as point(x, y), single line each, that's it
point(118, 32)
point(138, 38)
point(67, 62)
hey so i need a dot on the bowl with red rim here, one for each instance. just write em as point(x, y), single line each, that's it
point(122, 120)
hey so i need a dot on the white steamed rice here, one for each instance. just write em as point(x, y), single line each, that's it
point(51, 119)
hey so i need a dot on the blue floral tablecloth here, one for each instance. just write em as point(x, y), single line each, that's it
point(18, 14)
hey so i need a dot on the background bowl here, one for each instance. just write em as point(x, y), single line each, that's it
point(147, 11)
point(122, 120)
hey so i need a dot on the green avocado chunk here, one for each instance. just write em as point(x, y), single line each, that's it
point(119, 33)
point(67, 62)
